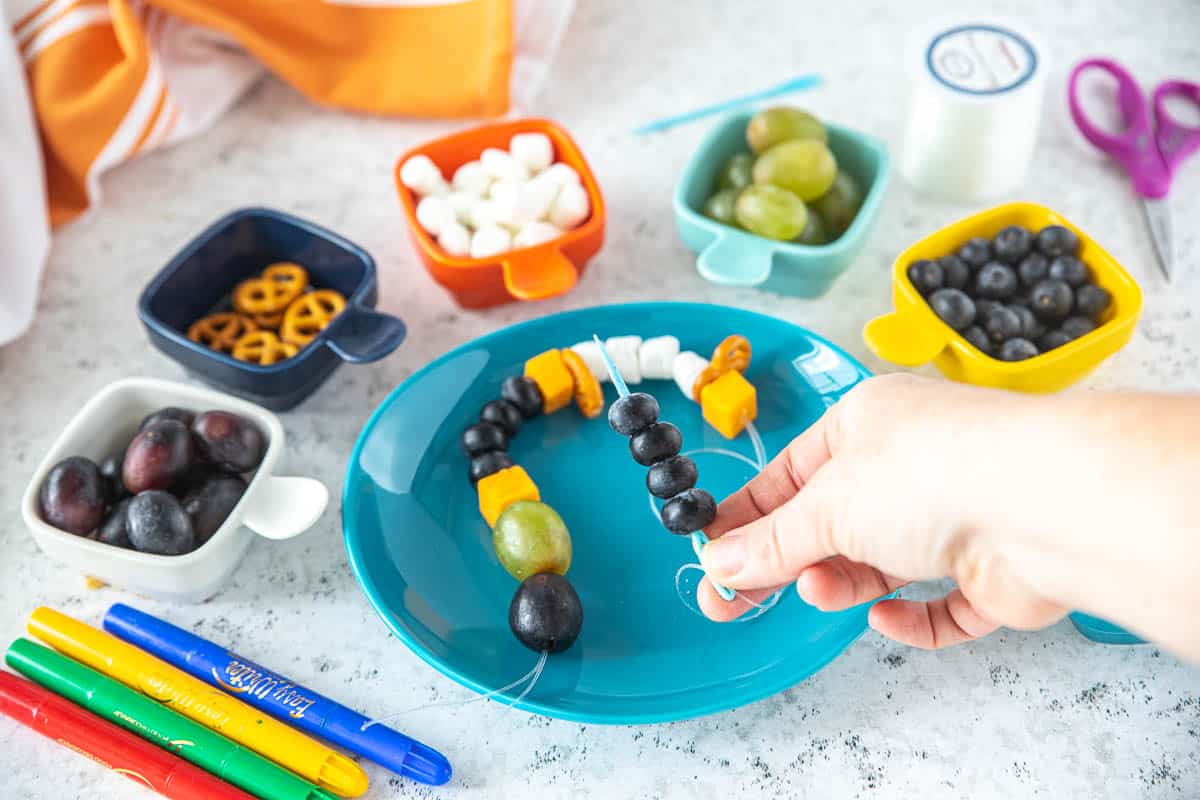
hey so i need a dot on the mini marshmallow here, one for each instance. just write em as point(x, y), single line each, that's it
point(502, 166)
point(434, 212)
point(686, 369)
point(461, 203)
point(490, 240)
point(534, 150)
point(481, 214)
point(520, 203)
point(536, 233)
point(589, 351)
point(472, 178)
point(656, 357)
point(455, 239)
point(624, 353)
point(561, 174)
point(571, 207)
point(421, 175)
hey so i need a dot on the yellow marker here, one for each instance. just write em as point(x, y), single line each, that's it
point(198, 701)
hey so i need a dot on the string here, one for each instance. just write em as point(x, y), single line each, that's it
point(532, 676)
point(759, 608)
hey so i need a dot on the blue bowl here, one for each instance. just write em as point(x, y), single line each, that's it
point(239, 246)
point(424, 556)
point(733, 257)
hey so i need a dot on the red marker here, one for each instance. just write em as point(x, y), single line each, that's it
point(109, 745)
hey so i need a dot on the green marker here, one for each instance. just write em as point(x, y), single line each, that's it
point(162, 726)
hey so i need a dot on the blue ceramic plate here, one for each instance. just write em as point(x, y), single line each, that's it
point(424, 556)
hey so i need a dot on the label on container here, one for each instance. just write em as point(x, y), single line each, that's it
point(981, 59)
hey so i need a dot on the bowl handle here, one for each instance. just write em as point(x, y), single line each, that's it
point(898, 338)
point(538, 272)
point(360, 335)
point(283, 507)
point(735, 261)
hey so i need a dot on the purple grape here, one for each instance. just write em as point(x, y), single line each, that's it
point(73, 496)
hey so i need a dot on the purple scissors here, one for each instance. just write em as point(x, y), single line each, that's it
point(1149, 151)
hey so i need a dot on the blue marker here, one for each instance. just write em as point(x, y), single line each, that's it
point(277, 696)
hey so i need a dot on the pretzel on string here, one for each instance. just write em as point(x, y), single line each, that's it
point(263, 348)
point(589, 397)
point(220, 331)
point(309, 314)
point(733, 353)
point(271, 293)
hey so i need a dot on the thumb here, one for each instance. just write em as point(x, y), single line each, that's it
point(775, 548)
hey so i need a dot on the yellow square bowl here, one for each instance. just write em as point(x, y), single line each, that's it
point(913, 334)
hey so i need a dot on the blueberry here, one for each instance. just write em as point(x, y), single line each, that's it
point(1017, 349)
point(158, 524)
point(1001, 324)
point(1055, 240)
point(545, 613)
point(995, 281)
point(209, 504)
point(1077, 326)
point(954, 307)
point(115, 530)
point(1032, 269)
point(170, 412)
point(976, 252)
point(688, 511)
point(1012, 244)
point(114, 485)
point(926, 276)
point(482, 437)
point(671, 476)
point(73, 496)
point(655, 442)
point(1031, 327)
point(1070, 270)
point(978, 339)
point(1052, 340)
point(630, 414)
point(956, 272)
point(1052, 300)
point(524, 394)
point(488, 463)
point(1090, 300)
point(504, 414)
point(984, 306)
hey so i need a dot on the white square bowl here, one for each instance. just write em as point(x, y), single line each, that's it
point(274, 507)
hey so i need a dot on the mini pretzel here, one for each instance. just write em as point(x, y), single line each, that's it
point(588, 394)
point(279, 285)
point(220, 331)
point(263, 348)
point(733, 353)
point(268, 321)
point(309, 315)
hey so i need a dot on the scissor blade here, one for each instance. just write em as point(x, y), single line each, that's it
point(1158, 217)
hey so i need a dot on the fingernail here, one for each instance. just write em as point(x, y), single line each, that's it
point(724, 557)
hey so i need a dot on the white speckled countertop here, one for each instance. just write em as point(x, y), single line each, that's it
point(1016, 714)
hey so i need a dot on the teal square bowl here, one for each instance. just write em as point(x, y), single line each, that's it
point(733, 257)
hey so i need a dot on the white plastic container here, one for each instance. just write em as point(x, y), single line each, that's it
point(274, 507)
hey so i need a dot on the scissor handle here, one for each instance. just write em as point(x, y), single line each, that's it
point(1134, 148)
point(1176, 141)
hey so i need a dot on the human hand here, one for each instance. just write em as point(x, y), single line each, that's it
point(904, 479)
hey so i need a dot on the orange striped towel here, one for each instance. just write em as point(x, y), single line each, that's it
point(105, 80)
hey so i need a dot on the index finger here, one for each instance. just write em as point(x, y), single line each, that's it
point(780, 480)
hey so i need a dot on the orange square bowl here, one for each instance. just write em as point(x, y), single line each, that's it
point(530, 273)
point(913, 334)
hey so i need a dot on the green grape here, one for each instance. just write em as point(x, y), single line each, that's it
point(771, 126)
point(720, 206)
point(838, 206)
point(771, 212)
point(738, 172)
point(802, 166)
point(814, 232)
point(530, 537)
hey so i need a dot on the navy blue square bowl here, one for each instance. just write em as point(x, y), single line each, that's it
point(238, 246)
